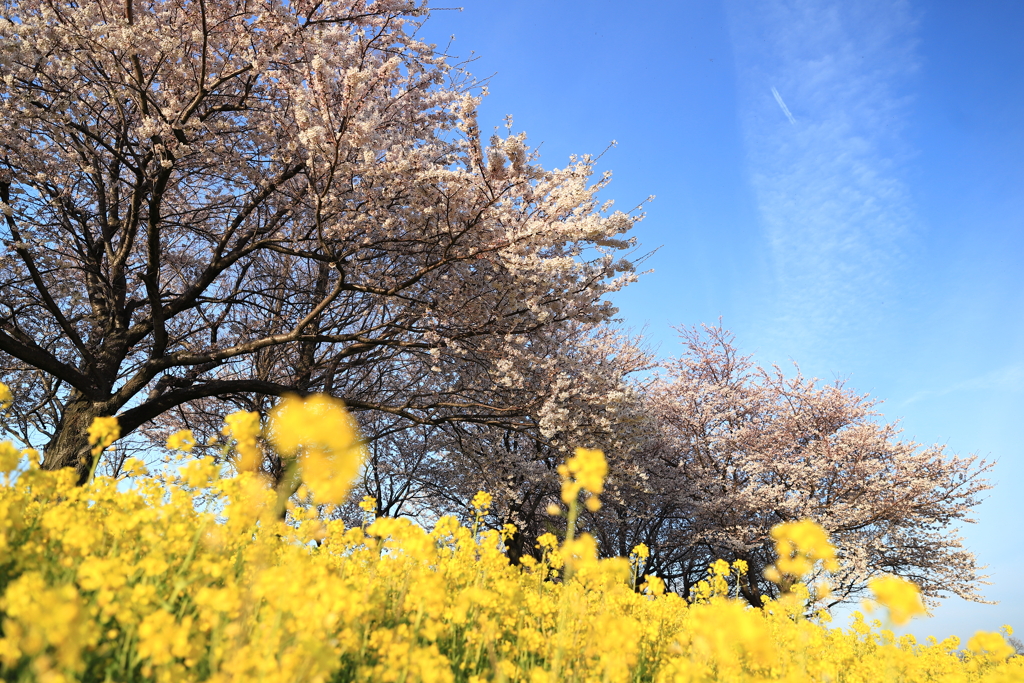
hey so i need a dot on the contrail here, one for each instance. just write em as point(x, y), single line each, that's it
point(785, 109)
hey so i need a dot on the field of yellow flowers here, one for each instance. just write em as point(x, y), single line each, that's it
point(191, 575)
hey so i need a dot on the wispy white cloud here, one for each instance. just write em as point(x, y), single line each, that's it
point(785, 109)
point(1009, 378)
point(837, 216)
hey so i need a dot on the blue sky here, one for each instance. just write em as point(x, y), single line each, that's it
point(875, 232)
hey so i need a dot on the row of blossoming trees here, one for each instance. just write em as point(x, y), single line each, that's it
point(209, 205)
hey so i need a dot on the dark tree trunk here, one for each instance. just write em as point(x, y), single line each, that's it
point(515, 548)
point(748, 586)
point(69, 446)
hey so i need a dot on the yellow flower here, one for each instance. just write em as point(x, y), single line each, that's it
point(990, 643)
point(182, 440)
point(579, 552)
point(133, 467)
point(102, 432)
point(368, 504)
point(199, 473)
point(9, 457)
point(799, 546)
point(547, 541)
point(589, 469)
point(719, 568)
point(654, 585)
point(482, 502)
point(6, 397)
point(244, 428)
point(326, 440)
point(162, 637)
point(585, 471)
point(140, 581)
point(38, 617)
point(901, 597)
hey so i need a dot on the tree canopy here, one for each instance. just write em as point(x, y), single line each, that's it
point(242, 199)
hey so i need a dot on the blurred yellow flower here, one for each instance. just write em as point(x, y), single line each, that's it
point(182, 440)
point(244, 428)
point(901, 597)
point(9, 457)
point(799, 546)
point(6, 398)
point(585, 471)
point(589, 469)
point(654, 585)
point(199, 473)
point(547, 540)
point(134, 467)
point(324, 437)
point(40, 618)
point(579, 552)
point(162, 637)
point(991, 644)
point(102, 432)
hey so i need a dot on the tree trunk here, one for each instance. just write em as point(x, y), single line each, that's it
point(515, 548)
point(69, 446)
point(749, 589)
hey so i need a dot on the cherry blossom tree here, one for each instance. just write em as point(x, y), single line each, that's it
point(732, 449)
point(588, 390)
point(237, 199)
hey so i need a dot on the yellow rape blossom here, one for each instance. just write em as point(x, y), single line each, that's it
point(325, 439)
point(9, 457)
point(137, 582)
point(901, 597)
point(653, 585)
point(481, 502)
point(199, 473)
point(119, 583)
point(584, 471)
point(44, 622)
point(244, 427)
point(799, 545)
point(182, 440)
point(6, 398)
point(547, 541)
point(102, 432)
point(134, 467)
point(990, 644)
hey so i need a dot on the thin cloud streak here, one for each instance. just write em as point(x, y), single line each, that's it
point(1007, 379)
point(835, 210)
point(785, 109)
